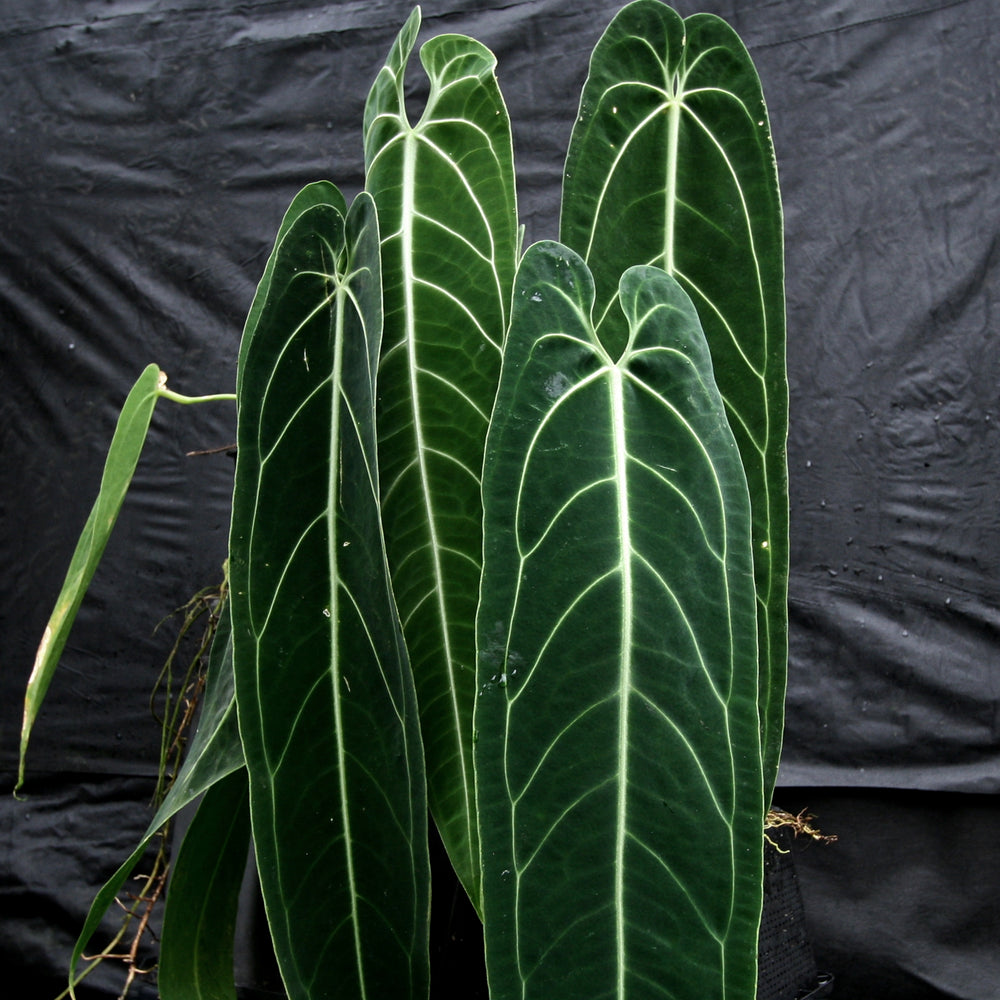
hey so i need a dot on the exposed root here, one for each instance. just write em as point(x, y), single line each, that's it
point(142, 906)
point(179, 696)
point(800, 824)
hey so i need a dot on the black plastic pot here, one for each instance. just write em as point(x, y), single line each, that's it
point(785, 963)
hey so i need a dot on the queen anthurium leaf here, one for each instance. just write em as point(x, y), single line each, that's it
point(326, 702)
point(317, 193)
point(123, 457)
point(444, 188)
point(199, 922)
point(214, 753)
point(617, 756)
point(671, 164)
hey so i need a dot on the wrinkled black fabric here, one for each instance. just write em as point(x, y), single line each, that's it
point(56, 850)
point(147, 153)
point(903, 905)
point(888, 155)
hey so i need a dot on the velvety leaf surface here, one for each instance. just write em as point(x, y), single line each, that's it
point(199, 922)
point(444, 188)
point(123, 457)
point(326, 703)
point(318, 193)
point(671, 164)
point(617, 756)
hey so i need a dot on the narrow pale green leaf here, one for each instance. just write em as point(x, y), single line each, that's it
point(199, 922)
point(617, 756)
point(215, 752)
point(444, 188)
point(671, 163)
point(123, 456)
point(326, 702)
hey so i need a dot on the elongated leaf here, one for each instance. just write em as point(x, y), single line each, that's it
point(326, 702)
point(671, 163)
point(123, 456)
point(618, 762)
point(214, 753)
point(199, 923)
point(317, 193)
point(445, 195)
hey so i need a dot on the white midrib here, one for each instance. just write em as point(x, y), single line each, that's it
point(670, 184)
point(408, 211)
point(625, 656)
point(332, 555)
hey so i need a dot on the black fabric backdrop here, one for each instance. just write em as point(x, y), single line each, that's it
point(147, 153)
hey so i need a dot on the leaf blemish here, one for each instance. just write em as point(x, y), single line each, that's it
point(556, 385)
point(494, 648)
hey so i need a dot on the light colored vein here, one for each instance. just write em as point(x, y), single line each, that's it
point(688, 626)
point(734, 174)
point(462, 307)
point(620, 451)
point(407, 210)
point(696, 290)
point(550, 749)
point(620, 155)
point(458, 392)
point(726, 817)
point(690, 895)
point(333, 543)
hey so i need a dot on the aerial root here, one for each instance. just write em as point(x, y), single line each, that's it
point(800, 824)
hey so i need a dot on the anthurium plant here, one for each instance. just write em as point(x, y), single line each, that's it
point(509, 542)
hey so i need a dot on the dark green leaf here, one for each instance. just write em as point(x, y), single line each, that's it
point(671, 164)
point(317, 193)
point(326, 701)
point(444, 188)
point(617, 757)
point(199, 923)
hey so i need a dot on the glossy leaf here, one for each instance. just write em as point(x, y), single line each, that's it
point(199, 922)
point(326, 701)
point(123, 457)
point(444, 188)
point(215, 753)
point(671, 164)
point(617, 756)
